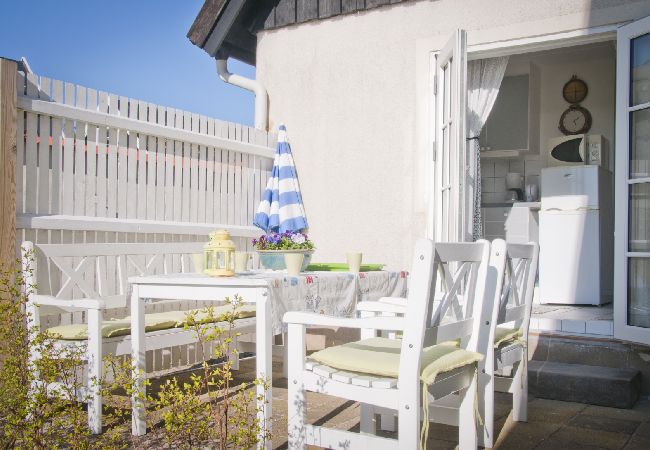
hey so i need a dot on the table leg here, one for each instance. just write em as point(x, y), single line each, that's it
point(138, 350)
point(264, 363)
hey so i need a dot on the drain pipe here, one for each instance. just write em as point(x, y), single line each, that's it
point(261, 109)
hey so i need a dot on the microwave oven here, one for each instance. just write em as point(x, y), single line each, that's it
point(577, 150)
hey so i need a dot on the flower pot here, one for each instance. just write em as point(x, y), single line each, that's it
point(274, 259)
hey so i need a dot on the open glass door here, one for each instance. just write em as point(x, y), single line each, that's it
point(450, 68)
point(632, 253)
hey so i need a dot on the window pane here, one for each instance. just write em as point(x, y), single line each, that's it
point(640, 143)
point(638, 292)
point(639, 225)
point(640, 74)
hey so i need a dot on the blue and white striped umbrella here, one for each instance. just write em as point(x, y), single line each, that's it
point(281, 208)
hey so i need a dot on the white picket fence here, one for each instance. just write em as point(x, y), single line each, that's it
point(98, 167)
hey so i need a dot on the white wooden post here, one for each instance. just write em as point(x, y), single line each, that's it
point(264, 360)
point(520, 389)
point(467, 434)
point(94, 352)
point(138, 421)
point(297, 406)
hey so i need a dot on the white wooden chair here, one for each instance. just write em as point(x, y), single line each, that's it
point(85, 283)
point(460, 272)
point(510, 344)
point(515, 269)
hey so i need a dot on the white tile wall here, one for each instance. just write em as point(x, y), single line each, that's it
point(493, 189)
point(493, 175)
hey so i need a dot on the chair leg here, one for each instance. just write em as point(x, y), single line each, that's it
point(297, 402)
point(367, 422)
point(486, 436)
point(285, 355)
point(94, 370)
point(520, 391)
point(408, 423)
point(467, 435)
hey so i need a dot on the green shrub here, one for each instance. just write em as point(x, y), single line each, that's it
point(42, 405)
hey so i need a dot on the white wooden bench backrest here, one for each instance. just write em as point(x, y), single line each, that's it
point(101, 271)
point(459, 270)
point(519, 285)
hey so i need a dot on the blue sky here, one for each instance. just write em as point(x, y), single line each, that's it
point(134, 48)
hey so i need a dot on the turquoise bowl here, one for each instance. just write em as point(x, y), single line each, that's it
point(274, 259)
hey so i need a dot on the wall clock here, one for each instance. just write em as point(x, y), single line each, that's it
point(575, 90)
point(575, 120)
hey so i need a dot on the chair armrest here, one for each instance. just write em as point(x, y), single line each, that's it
point(81, 303)
point(376, 323)
point(398, 301)
point(381, 307)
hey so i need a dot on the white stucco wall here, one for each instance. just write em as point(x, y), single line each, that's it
point(350, 91)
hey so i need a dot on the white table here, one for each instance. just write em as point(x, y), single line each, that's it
point(273, 293)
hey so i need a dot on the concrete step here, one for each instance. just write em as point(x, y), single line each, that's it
point(595, 385)
point(591, 352)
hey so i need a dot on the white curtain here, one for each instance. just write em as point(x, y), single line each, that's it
point(484, 78)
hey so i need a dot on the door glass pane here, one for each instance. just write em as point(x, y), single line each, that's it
point(640, 74)
point(640, 143)
point(638, 292)
point(639, 220)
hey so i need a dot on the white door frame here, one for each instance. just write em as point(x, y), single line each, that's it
point(478, 51)
point(622, 182)
point(450, 74)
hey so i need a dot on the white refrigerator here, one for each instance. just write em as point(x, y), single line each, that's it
point(576, 235)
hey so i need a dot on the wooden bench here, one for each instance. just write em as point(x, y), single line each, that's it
point(87, 283)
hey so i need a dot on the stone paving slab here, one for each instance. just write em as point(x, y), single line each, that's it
point(552, 424)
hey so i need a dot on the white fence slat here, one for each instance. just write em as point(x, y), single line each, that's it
point(142, 161)
point(161, 166)
point(91, 158)
point(176, 121)
point(20, 148)
point(80, 157)
point(67, 167)
point(44, 152)
point(194, 172)
point(224, 179)
point(31, 163)
point(202, 169)
point(210, 169)
point(132, 164)
point(57, 151)
point(152, 166)
point(231, 177)
point(102, 160)
point(122, 164)
point(187, 151)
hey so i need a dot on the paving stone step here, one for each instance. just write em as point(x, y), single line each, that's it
point(595, 385)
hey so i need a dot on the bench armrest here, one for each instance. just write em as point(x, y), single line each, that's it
point(315, 319)
point(81, 303)
point(398, 301)
point(380, 307)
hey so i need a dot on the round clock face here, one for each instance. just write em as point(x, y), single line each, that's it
point(575, 90)
point(575, 120)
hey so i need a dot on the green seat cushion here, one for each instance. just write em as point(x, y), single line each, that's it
point(380, 357)
point(153, 322)
point(504, 335)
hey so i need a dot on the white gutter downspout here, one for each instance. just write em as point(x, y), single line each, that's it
point(261, 109)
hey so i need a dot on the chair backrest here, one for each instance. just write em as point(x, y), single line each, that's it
point(516, 301)
point(101, 271)
point(459, 271)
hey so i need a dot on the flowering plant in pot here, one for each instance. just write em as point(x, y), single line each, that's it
point(272, 246)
